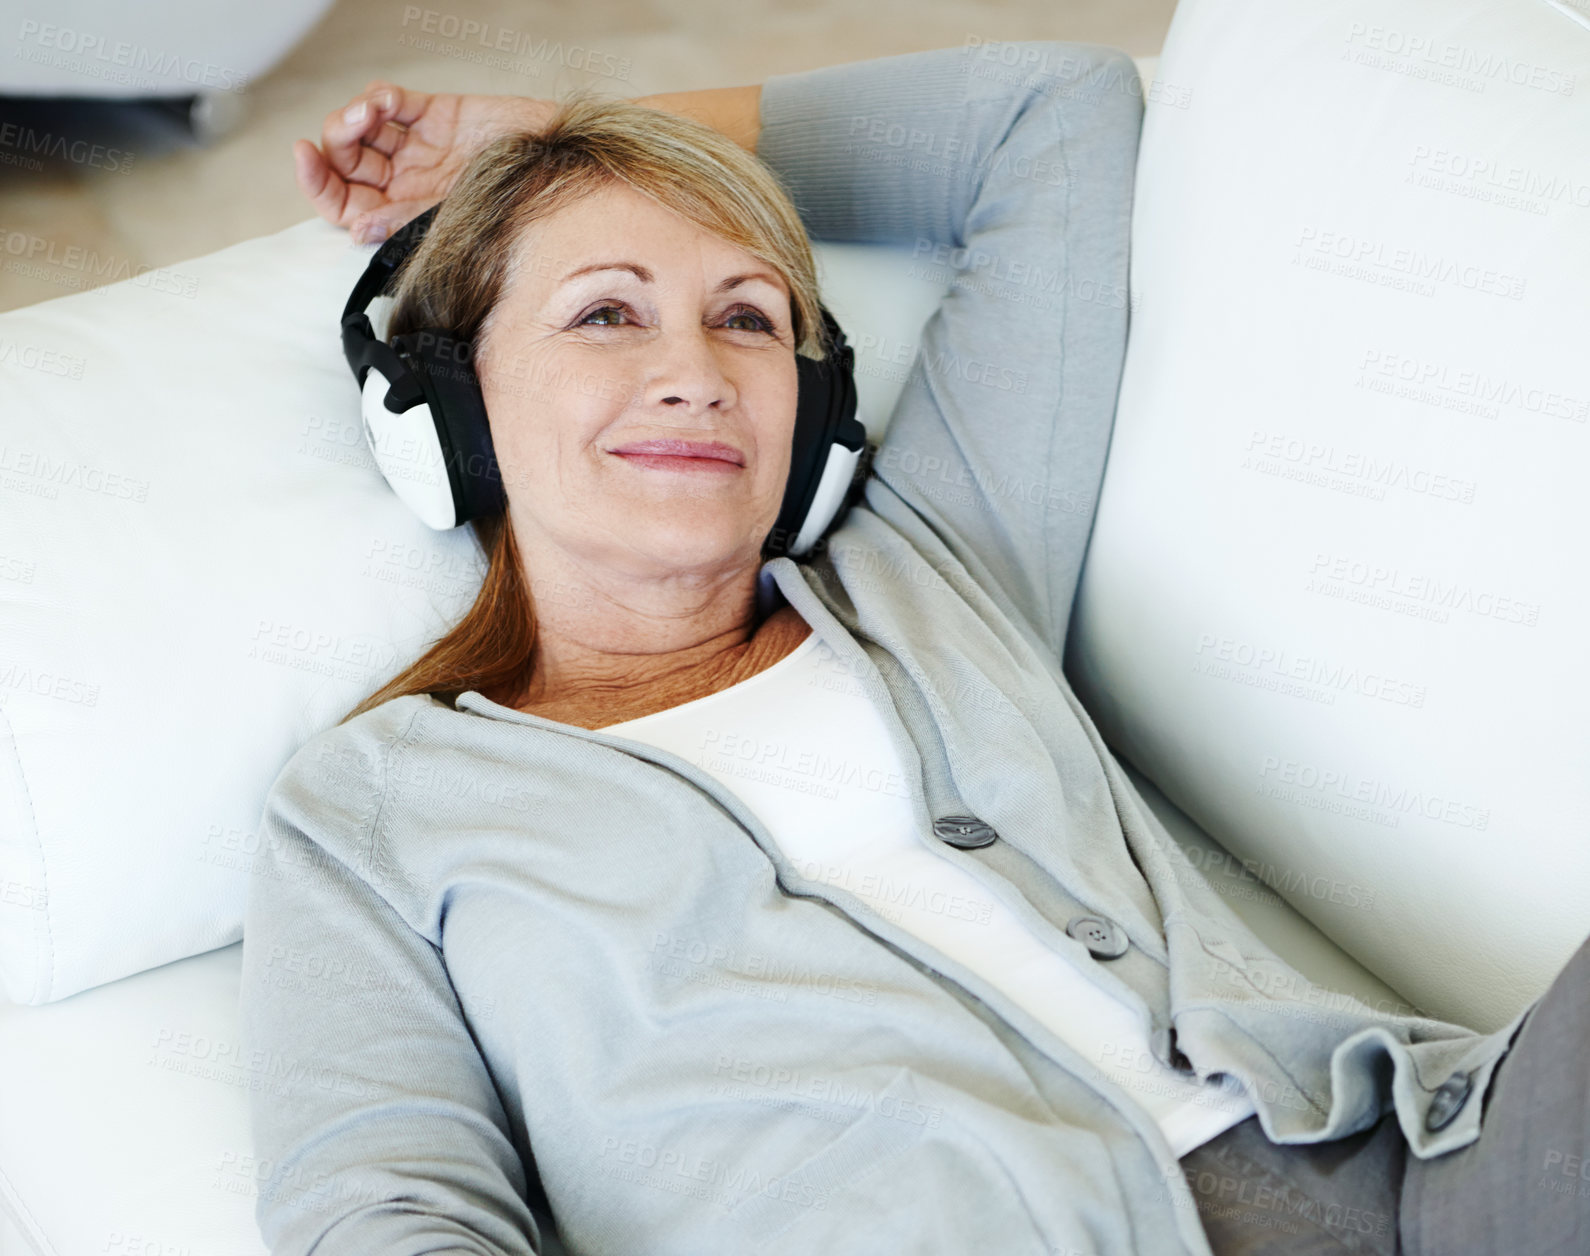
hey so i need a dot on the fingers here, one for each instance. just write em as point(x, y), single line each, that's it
point(406, 106)
point(346, 133)
point(337, 201)
point(347, 177)
point(358, 137)
point(316, 180)
point(312, 177)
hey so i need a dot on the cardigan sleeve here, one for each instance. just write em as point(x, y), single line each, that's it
point(1005, 170)
point(381, 1127)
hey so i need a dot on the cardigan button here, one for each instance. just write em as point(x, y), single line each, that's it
point(1447, 1101)
point(1103, 938)
point(967, 832)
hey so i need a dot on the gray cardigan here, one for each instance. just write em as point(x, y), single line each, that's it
point(484, 948)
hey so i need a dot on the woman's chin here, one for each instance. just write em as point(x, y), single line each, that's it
point(698, 543)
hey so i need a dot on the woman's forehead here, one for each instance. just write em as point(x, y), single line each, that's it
point(616, 232)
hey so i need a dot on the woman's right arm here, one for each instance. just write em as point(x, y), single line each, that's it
point(373, 1111)
point(1005, 170)
point(735, 111)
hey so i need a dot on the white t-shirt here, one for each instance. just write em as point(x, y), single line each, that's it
point(806, 749)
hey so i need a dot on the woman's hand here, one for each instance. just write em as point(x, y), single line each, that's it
point(390, 153)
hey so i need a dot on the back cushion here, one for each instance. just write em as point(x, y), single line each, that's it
point(1335, 602)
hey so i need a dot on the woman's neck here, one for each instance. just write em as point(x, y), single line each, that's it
point(596, 706)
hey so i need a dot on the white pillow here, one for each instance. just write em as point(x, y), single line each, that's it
point(1335, 600)
point(201, 568)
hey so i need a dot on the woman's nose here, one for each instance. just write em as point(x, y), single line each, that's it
point(688, 373)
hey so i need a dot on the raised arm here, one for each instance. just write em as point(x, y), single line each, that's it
point(377, 1116)
point(1008, 167)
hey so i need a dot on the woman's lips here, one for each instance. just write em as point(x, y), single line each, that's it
point(672, 462)
point(682, 455)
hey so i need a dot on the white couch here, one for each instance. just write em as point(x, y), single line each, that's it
point(1398, 764)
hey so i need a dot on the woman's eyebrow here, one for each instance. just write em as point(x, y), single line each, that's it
point(640, 272)
point(645, 276)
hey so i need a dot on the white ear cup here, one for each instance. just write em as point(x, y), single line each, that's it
point(831, 489)
point(409, 454)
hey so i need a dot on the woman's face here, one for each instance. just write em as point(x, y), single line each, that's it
point(626, 324)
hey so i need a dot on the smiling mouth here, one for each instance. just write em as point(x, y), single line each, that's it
point(677, 462)
point(682, 455)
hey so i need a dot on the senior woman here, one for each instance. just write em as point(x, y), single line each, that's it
point(701, 901)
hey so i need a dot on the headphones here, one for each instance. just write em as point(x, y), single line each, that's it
point(425, 420)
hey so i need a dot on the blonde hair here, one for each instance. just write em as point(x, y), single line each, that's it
point(455, 276)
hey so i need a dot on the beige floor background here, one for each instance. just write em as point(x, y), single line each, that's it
point(177, 200)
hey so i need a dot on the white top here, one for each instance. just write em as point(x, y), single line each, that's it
point(803, 745)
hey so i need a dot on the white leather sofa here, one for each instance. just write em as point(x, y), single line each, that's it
point(1332, 613)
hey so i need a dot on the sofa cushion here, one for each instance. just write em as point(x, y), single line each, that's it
point(201, 568)
point(1333, 602)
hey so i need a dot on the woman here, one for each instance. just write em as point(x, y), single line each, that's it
point(744, 905)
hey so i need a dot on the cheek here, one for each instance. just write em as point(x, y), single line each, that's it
point(778, 400)
point(544, 414)
point(510, 418)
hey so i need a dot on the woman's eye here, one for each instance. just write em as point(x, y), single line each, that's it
point(617, 316)
point(758, 322)
point(604, 309)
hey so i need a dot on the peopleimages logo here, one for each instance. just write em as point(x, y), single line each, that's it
point(1397, 797)
point(31, 144)
point(476, 37)
point(1442, 383)
point(1009, 276)
point(118, 61)
point(1489, 177)
point(1331, 674)
point(1330, 574)
point(1398, 265)
point(77, 267)
point(1440, 60)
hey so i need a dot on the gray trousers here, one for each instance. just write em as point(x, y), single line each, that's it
point(1521, 1189)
